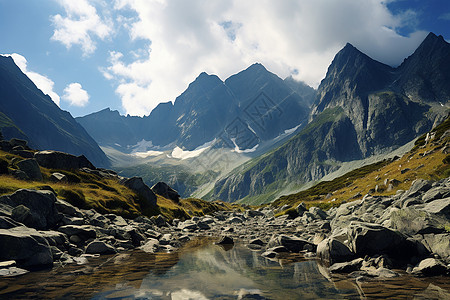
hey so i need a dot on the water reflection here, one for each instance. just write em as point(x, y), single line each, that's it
point(210, 272)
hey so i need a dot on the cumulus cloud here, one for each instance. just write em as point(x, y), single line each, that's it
point(75, 95)
point(298, 38)
point(42, 82)
point(80, 25)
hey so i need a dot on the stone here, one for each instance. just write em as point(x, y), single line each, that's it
point(151, 246)
point(85, 232)
point(235, 220)
point(147, 198)
point(347, 267)
point(292, 244)
point(26, 246)
point(257, 242)
point(374, 239)
point(441, 207)
point(21, 213)
point(225, 240)
point(318, 213)
point(7, 222)
point(100, 247)
point(333, 251)
point(62, 161)
point(430, 267)
point(159, 220)
point(59, 177)
point(43, 214)
point(162, 189)
point(436, 193)
point(31, 168)
point(68, 209)
point(301, 208)
point(413, 221)
point(12, 272)
point(438, 244)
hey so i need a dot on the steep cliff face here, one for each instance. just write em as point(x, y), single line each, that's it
point(362, 108)
point(36, 117)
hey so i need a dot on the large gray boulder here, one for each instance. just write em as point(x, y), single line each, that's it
point(146, 196)
point(374, 239)
point(85, 232)
point(42, 213)
point(441, 207)
point(61, 160)
point(430, 267)
point(31, 168)
point(26, 246)
point(162, 189)
point(438, 244)
point(333, 251)
point(411, 221)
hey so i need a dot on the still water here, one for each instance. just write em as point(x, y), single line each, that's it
point(206, 271)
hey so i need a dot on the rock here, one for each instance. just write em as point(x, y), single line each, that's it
point(257, 242)
point(68, 209)
point(12, 272)
point(301, 208)
point(7, 264)
point(7, 223)
point(253, 214)
point(85, 232)
point(438, 244)
point(318, 213)
point(14, 142)
point(187, 225)
point(18, 174)
point(151, 246)
point(147, 196)
point(373, 239)
point(269, 254)
point(62, 161)
point(346, 267)
point(59, 177)
point(100, 247)
point(26, 246)
point(333, 251)
point(435, 193)
point(43, 214)
point(292, 244)
point(441, 207)
point(162, 189)
point(430, 267)
point(31, 168)
point(159, 220)
point(413, 221)
point(21, 213)
point(235, 220)
point(225, 240)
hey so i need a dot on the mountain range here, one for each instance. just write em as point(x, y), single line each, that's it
point(362, 108)
point(27, 113)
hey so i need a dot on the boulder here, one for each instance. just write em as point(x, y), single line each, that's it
point(100, 247)
point(7, 223)
point(413, 221)
point(347, 267)
point(159, 221)
point(41, 204)
point(162, 189)
point(225, 240)
point(292, 244)
point(151, 246)
point(430, 267)
point(26, 246)
point(438, 244)
point(31, 168)
point(441, 207)
point(147, 198)
point(301, 208)
point(333, 251)
point(373, 239)
point(61, 160)
point(59, 177)
point(67, 208)
point(318, 213)
point(85, 232)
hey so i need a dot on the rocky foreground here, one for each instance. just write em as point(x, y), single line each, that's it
point(367, 237)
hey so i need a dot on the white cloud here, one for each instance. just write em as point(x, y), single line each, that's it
point(75, 95)
point(224, 37)
point(80, 25)
point(42, 82)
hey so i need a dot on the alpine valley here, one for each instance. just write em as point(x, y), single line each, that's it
point(255, 137)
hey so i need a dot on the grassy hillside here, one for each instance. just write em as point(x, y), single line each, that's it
point(88, 191)
point(427, 160)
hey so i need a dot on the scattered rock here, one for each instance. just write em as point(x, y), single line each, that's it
point(333, 251)
point(62, 161)
point(430, 267)
point(346, 267)
point(31, 168)
point(100, 247)
point(225, 240)
point(147, 196)
point(162, 189)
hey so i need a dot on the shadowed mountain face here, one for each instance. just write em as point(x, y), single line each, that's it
point(248, 108)
point(362, 108)
point(25, 112)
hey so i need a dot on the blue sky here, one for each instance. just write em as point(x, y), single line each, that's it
point(130, 55)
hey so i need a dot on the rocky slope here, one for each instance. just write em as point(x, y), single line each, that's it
point(247, 108)
point(25, 112)
point(362, 108)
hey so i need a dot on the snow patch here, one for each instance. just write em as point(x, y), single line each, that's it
point(179, 153)
point(147, 153)
point(237, 150)
point(292, 130)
